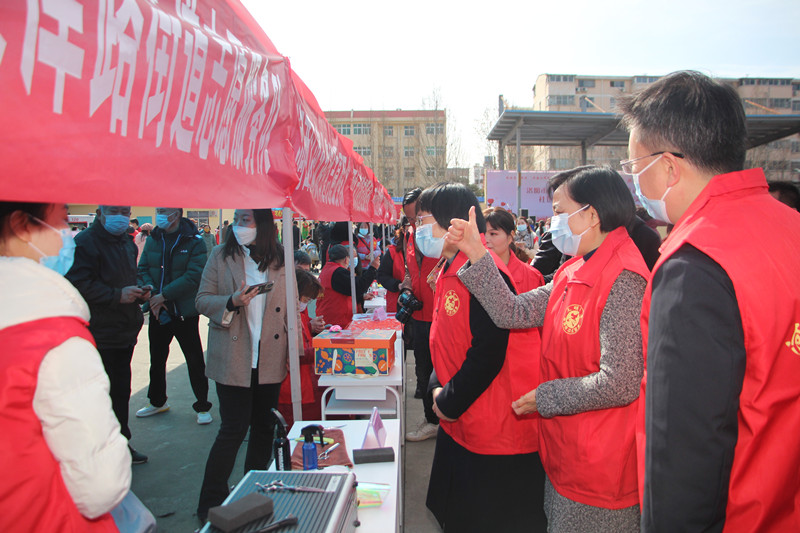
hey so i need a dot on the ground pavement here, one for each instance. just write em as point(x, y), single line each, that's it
point(169, 484)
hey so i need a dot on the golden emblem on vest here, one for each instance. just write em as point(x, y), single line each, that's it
point(794, 341)
point(451, 303)
point(573, 318)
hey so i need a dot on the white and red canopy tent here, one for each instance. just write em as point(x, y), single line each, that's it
point(137, 102)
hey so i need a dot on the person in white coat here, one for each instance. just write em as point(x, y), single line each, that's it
point(64, 462)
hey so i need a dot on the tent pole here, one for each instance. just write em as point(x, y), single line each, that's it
point(291, 315)
point(352, 266)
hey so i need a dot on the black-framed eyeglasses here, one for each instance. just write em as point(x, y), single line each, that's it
point(627, 167)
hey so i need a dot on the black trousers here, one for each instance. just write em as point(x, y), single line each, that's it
point(117, 362)
point(423, 367)
point(240, 409)
point(188, 335)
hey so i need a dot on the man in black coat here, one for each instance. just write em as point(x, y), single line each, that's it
point(104, 272)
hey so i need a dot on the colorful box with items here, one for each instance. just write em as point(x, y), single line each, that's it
point(368, 352)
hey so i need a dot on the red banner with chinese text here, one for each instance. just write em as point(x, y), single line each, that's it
point(176, 103)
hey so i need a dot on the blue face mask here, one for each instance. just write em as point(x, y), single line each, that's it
point(363, 231)
point(429, 245)
point(163, 221)
point(563, 239)
point(116, 224)
point(655, 208)
point(62, 262)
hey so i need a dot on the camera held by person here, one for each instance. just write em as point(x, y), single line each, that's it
point(408, 303)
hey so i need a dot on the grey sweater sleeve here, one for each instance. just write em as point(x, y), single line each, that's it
point(506, 309)
point(621, 362)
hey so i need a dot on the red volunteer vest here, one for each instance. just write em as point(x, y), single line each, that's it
point(362, 245)
point(419, 278)
point(764, 490)
point(335, 307)
point(589, 457)
point(489, 426)
point(33, 496)
point(527, 341)
point(398, 273)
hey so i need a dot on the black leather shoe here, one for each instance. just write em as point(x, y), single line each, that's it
point(136, 457)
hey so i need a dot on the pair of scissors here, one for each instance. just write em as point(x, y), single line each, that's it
point(279, 486)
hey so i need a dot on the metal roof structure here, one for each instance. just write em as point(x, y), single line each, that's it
point(557, 128)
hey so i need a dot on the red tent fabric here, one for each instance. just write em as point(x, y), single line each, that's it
point(184, 103)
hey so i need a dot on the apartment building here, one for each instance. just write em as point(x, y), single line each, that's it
point(405, 148)
point(598, 94)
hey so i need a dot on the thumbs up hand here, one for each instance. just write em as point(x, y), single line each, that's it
point(465, 235)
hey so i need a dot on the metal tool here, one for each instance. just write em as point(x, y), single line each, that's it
point(279, 486)
point(324, 455)
point(290, 520)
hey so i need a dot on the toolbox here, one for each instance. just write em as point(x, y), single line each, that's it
point(332, 511)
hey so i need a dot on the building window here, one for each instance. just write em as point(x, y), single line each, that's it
point(388, 151)
point(408, 151)
point(361, 129)
point(362, 150)
point(408, 172)
point(344, 129)
point(618, 84)
point(646, 79)
point(200, 216)
point(388, 131)
point(784, 103)
point(430, 172)
point(796, 105)
point(388, 172)
point(560, 78)
point(561, 99)
point(434, 151)
point(434, 128)
point(586, 83)
point(409, 131)
point(613, 103)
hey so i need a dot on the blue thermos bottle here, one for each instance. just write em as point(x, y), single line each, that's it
point(309, 448)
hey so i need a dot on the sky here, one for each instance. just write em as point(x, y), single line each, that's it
point(364, 55)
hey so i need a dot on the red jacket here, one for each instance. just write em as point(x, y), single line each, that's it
point(337, 308)
point(419, 278)
point(398, 273)
point(764, 488)
point(362, 245)
point(33, 496)
point(489, 426)
point(589, 457)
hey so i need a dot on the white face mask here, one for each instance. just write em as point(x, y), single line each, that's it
point(655, 208)
point(429, 245)
point(244, 235)
point(563, 239)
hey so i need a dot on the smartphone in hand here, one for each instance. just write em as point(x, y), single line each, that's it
point(260, 288)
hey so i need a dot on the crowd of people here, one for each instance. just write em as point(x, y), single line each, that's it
point(577, 373)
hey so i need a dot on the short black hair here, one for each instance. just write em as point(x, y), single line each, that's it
point(689, 113)
point(411, 196)
point(447, 200)
point(602, 188)
point(788, 193)
point(301, 258)
point(135, 221)
point(30, 209)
